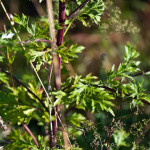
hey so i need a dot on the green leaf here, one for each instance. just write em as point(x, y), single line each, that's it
point(128, 67)
point(147, 73)
point(76, 119)
point(34, 54)
point(68, 54)
point(59, 95)
point(92, 10)
point(29, 112)
point(90, 13)
point(111, 111)
point(3, 78)
point(87, 92)
point(1, 58)
point(120, 137)
point(24, 21)
point(7, 35)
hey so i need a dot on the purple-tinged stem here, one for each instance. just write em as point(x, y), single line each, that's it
point(57, 62)
point(78, 8)
point(36, 40)
point(31, 134)
point(61, 22)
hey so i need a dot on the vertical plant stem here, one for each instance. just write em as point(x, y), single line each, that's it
point(60, 38)
point(49, 89)
point(53, 46)
point(60, 35)
point(57, 63)
point(57, 59)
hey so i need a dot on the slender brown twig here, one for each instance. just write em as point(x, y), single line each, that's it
point(36, 40)
point(31, 134)
point(54, 64)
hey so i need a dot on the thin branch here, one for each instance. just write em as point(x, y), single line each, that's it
point(78, 8)
point(31, 134)
point(144, 73)
point(145, 102)
point(51, 22)
point(53, 46)
point(10, 20)
point(114, 91)
point(26, 88)
point(49, 89)
point(36, 40)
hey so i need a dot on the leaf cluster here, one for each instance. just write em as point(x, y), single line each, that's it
point(90, 13)
point(94, 95)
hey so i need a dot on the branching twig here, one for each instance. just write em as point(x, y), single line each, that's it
point(140, 73)
point(78, 8)
point(31, 134)
point(36, 40)
point(114, 91)
point(26, 88)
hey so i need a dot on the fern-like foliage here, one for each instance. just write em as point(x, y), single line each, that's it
point(90, 13)
point(94, 95)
